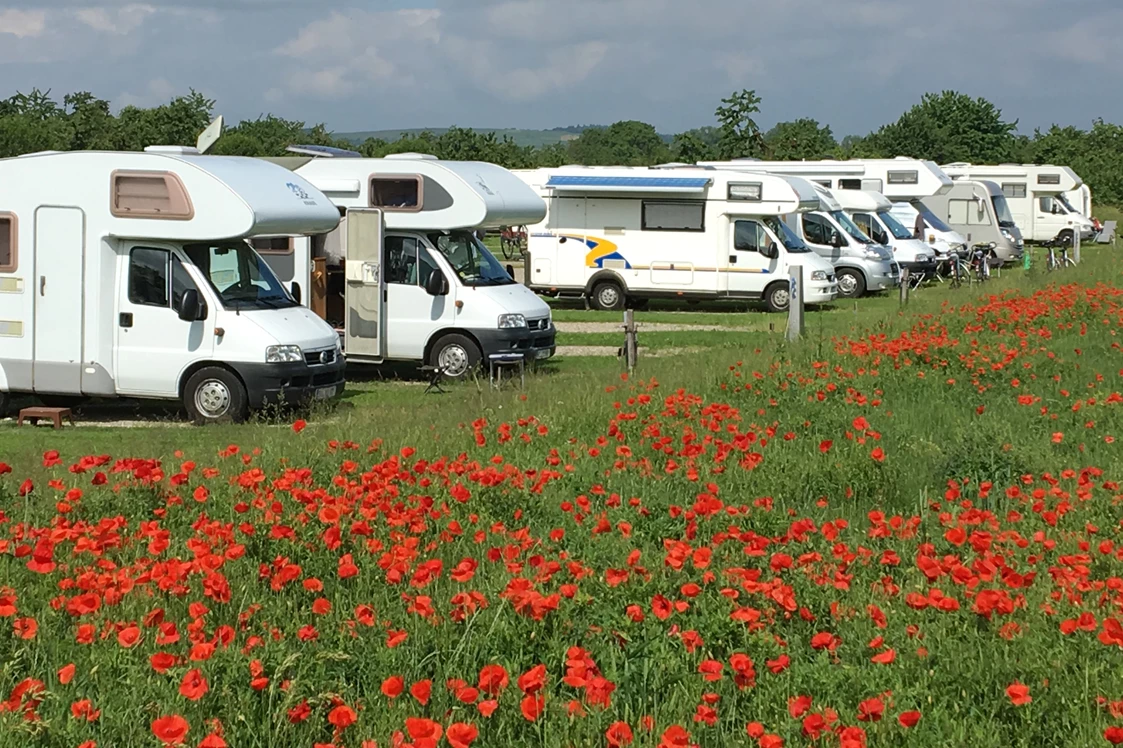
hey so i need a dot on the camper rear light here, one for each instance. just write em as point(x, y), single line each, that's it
point(511, 321)
point(283, 354)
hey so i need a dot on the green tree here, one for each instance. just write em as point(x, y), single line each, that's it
point(178, 122)
point(690, 148)
point(91, 123)
point(739, 136)
point(1095, 154)
point(948, 127)
point(802, 139)
point(627, 143)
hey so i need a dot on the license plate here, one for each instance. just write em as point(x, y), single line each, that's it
point(326, 393)
point(543, 353)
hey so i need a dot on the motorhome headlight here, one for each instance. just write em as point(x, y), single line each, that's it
point(283, 354)
point(818, 275)
point(1008, 235)
point(511, 321)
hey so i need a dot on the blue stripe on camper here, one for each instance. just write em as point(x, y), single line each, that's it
point(637, 183)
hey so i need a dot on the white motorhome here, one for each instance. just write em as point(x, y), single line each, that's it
point(404, 276)
point(978, 209)
point(621, 234)
point(129, 275)
point(904, 181)
point(1036, 196)
point(1081, 200)
point(873, 213)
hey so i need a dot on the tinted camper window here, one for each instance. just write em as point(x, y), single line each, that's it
point(148, 276)
point(681, 215)
point(396, 193)
point(272, 245)
point(749, 236)
point(1014, 189)
point(850, 184)
point(7, 243)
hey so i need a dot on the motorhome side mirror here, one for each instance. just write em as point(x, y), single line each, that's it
point(189, 306)
point(296, 292)
point(836, 240)
point(771, 251)
point(436, 285)
point(510, 271)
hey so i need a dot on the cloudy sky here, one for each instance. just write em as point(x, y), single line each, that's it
point(854, 64)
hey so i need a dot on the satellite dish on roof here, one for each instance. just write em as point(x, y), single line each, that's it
point(323, 151)
point(209, 136)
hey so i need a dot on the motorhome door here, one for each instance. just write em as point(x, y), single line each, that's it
point(365, 290)
point(59, 270)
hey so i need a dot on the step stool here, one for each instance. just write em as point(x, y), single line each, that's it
point(55, 415)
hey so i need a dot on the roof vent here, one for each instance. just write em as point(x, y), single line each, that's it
point(411, 157)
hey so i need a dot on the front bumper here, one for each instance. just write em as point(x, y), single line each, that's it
point(881, 278)
point(535, 345)
point(291, 383)
point(820, 292)
point(915, 268)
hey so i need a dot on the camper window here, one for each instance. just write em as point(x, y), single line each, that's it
point(850, 184)
point(148, 276)
point(401, 194)
point(679, 215)
point(1047, 204)
point(272, 245)
point(871, 228)
point(401, 260)
point(749, 236)
point(239, 276)
point(1048, 178)
point(902, 177)
point(8, 238)
point(1014, 189)
point(816, 229)
point(149, 194)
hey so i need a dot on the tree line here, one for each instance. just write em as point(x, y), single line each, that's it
point(945, 127)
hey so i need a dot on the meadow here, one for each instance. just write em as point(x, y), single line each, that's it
point(903, 529)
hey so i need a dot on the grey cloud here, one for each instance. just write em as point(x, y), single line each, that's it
point(853, 64)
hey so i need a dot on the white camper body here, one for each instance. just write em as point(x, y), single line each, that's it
point(1036, 196)
point(873, 213)
point(404, 277)
point(619, 234)
point(904, 181)
point(128, 274)
point(861, 264)
point(1081, 200)
point(978, 210)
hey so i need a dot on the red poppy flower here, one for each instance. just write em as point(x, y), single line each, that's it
point(170, 730)
point(1018, 694)
point(618, 735)
point(908, 719)
point(194, 685)
point(66, 674)
point(493, 679)
point(531, 706)
point(342, 716)
point(421, 691)
point(393, 686)
point(425, 733)
point(461, 734)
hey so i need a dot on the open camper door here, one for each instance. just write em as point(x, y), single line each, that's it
point(365, 289)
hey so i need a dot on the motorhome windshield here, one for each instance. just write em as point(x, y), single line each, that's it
point(1064, 201)
point(931, 218)
point(1002, 211)
point(791, 240)
point(850, 227)
point(473, 263)
point(895, 227)
point(239, 276)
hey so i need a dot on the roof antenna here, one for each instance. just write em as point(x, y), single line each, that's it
point(209, 136)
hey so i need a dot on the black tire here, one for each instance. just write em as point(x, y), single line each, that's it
point(608, 296)
point(456, 355)
point(778, 297)
point(215, 395)
point(1065, 237)
point(856, 284)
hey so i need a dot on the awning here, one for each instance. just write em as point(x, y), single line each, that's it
point(628, 184)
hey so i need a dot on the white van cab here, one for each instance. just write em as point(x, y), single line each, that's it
point(872, 212)
point(404, 277)
point(129, 275)
point(620, 235)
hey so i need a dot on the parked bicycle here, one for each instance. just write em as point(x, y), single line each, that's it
point(981, 260)
point(512, 242)
point(1052, 262)
point(953, 267)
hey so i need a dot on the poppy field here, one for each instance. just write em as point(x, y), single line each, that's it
point(903, 533)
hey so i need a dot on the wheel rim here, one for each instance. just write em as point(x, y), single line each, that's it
point(781, 298)
point(609, 296)
point(847, 284)
point(453, 360)
point(212, 398)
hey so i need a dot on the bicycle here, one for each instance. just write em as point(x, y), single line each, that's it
point(512, 242)
point(981, 257)
point(1051, 262)
point(954, 268)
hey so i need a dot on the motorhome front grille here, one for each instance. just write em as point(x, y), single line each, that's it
point(320, 358)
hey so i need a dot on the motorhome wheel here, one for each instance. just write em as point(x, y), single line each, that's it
point(851, 283)
point(215, 395)
point(455, 355)
point(778, 297)
point(608, 296)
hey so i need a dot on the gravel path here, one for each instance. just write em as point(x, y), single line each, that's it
point(580, 327)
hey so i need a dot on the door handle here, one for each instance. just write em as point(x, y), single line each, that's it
point(42, 285)
point(732, 259)
point(125, 319)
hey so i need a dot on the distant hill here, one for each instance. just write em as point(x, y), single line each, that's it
point(536, 138)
